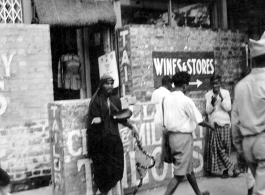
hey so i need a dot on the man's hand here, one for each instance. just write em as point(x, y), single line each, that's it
point(220, 94)
point(213, 100)
point(135, 133)
point(212, 127)
point(96, 120)
point(207, 124)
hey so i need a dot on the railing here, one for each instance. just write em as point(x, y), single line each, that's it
point(11, 11)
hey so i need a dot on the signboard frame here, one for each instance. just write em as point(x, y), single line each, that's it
point(199, 64)
point(108, 65)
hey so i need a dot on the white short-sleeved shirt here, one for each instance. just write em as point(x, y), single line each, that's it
point(180, 113)
point(157, 97)
point(248, 113)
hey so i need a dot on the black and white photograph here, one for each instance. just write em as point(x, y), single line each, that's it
point(132, 97)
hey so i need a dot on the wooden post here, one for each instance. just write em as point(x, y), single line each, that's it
point(87, 62)
point(215, 16)
point(80, 46)
point(223, 14)
point(170, 13)
point(117, 10)
point(27, 11)
point(106, 39)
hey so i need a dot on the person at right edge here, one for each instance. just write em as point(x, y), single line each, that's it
point(218, 106)
point(181, 118)
point(248, 115)
point(5, 183)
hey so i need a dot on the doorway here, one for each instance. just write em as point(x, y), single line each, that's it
point(88, 43)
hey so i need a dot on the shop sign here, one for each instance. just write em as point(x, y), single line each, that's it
point(200, 65)
point(124, 53)
point(108, 65)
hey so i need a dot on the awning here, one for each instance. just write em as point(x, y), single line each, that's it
point(75, 12)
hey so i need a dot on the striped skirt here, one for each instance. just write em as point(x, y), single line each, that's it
point(219, 149)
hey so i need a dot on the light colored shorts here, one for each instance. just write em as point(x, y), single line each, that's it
point(181, 146)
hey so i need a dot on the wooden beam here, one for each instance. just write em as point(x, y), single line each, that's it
point(80, 47)
point(169, 12)
point(106, 39)
point(223, 14)
point(117, 10)
point(87, 62)
point(215, 16)
point(27, 11)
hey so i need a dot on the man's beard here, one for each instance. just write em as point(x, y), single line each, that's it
point(216, 90)
point(109, 91)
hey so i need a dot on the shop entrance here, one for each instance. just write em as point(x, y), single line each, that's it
point(75, 54)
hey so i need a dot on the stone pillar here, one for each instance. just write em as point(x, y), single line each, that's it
point(71, 173)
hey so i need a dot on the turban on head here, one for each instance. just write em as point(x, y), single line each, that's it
point(104, 79)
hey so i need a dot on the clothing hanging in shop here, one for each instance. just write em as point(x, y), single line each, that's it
point(69, 74)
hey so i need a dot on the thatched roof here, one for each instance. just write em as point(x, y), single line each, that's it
point(75, 12)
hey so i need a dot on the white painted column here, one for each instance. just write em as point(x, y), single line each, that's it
point(117, 10)
point(27, 11)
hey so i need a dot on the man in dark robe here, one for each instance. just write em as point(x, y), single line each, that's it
point(105, 147)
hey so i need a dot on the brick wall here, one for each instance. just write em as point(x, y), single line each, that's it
point(71, 169)
point(28, 87)
point(142, 40)
point(25, 90)
point(137, 42)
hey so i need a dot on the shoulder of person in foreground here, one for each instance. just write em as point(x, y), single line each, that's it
point(240, 85)
point(4, 182)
